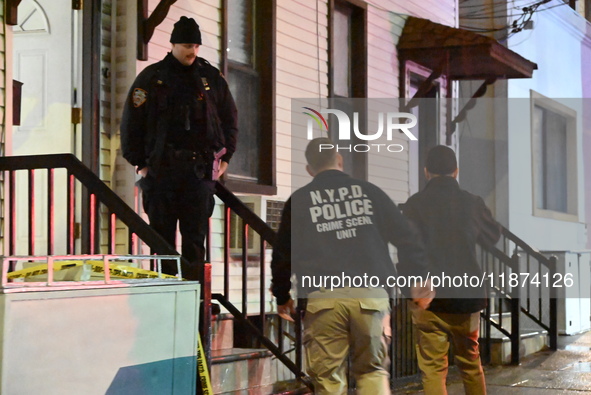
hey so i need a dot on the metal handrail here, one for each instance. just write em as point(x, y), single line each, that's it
point(525, 247)
point(268, 236)
point(504, 263)
point(96, 187)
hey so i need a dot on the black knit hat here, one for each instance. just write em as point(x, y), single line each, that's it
point(186, 31)
point(441, 160)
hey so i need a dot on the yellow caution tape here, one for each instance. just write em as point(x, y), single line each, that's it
point(115, 270)
point(202, 369)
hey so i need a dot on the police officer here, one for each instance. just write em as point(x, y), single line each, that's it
point(343, 317)
point(179, 129)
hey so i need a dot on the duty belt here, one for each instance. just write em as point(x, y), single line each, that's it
point(201, 162)
point(185, 155)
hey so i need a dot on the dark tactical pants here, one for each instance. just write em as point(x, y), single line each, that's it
point(177, 195)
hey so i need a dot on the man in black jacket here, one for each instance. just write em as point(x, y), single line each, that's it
point(179, 129)
point(337, 240)
point(451, 222)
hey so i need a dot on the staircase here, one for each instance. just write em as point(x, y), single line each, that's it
point(532, 339)
point(521, 317)
point(250, 349)
point(246, 370)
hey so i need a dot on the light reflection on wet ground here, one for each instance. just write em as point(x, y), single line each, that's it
point(566, 372)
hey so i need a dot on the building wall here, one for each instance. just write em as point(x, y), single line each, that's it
point(559, 43)
point(5, 116)
point(301, 72)
point(114, 170)
point(586, 94)
point(302, 62)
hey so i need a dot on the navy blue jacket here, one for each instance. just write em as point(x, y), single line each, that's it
point(339, 226)
point(160, 99)
point(451, 221)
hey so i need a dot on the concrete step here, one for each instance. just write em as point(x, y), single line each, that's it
point(532, 341)
point(291, 387)
point(242, 365)
point(222, 332)
point(240, 369)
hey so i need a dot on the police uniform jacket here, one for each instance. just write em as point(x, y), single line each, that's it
point(181, 107)
point(339, 226)
point(451, 222)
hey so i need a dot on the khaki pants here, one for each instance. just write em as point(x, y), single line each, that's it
point(434, 332)
point(342, 322)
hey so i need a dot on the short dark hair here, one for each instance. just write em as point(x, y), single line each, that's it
point(441, 160)
point(318, 158)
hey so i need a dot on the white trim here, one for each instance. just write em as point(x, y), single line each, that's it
point(42, 14)
point(537, 99)
point(569, 24)
point(410, 68)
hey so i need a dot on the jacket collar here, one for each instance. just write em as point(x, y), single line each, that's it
point(442, 181)
point(178, 66)
point(330, 174)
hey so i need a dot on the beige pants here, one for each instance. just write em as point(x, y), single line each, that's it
point(434, 332)
point(342, 322)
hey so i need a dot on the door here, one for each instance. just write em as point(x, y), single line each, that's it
point(44, 61)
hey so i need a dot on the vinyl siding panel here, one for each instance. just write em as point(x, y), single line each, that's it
point(302, 70)
point(384, 29)
point(302, 40)
point(3, 121)
point(301, 58)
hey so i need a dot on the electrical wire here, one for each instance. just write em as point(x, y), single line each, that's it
point(490, 12)
point(491, 4)
point(518, 24)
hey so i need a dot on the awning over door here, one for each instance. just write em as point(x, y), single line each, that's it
point(459, 53)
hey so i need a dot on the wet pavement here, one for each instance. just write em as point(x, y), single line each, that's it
point(565, 371)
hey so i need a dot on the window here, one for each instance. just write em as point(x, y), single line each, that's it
point(342, 43)
point(269, 210)
point(249, 67)
point(430, 113)
point(348, 69)
point(31, 18)
point(236, 232)
point(554, 159)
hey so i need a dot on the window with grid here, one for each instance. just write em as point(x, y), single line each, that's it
point(236, 230)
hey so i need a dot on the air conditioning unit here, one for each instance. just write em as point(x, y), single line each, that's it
point(267, 208)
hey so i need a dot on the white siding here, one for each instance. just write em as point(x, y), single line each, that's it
point(302, 60)
point(5, 118)
point(391, 172)
point(206, 13)
point(561, 46)
point(302, 72)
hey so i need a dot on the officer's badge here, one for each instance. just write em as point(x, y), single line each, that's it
point(205, 83)
point(139, 97)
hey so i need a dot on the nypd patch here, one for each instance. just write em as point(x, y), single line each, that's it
point(139, 97)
